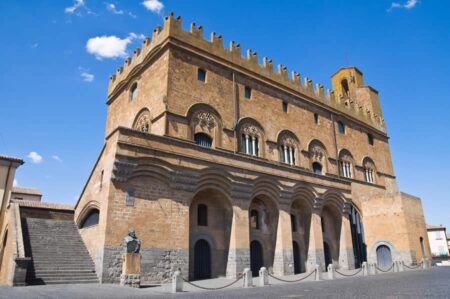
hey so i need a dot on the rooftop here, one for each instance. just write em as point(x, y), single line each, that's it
point(11, 159)
point(30, 191)
point(435, 227)
point(43, 205)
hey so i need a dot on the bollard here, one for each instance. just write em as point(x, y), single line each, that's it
point(365, 270)
point(248, 279)
point(317, 274)
point(373, 269)
point(400, 266)
point(424, 264)
point(263, 277)
point(330, 271)
point(177, 282)
point(395, 266)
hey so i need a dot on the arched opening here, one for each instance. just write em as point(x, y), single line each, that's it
point(300, 222)
point(142, 121)
point(91, 219)
point(297, 257)
point(134, 91)
point(203, 139)
point(384, 257)
point(210, 219)
point(345, 88)
point(331, 227)
point(317, 168)
point(327, 254)
point(359, 245)
point(266, 232)
point(202, 260)
point(256, 257)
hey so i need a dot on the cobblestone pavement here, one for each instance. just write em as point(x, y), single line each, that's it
point(433, 283)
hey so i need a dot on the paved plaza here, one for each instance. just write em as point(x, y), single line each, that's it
point(432, 283)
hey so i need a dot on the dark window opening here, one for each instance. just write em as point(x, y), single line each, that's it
point(201, 75)
point(133, 91)
point(203, 140)
point(322, 224)
point(91, 219)
point(202, 215)
point(247, 92)
point(341, 127)
point(254, 219)
point(285, 106)
point(370, 139)
point(316, 118)
point(317, 168)
point(293, 223)
point(345, 89)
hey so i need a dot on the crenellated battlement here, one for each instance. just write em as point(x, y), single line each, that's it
point(172, 31)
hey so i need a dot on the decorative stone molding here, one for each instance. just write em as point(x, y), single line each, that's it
point(122, 170)
point(251, 130)
point(142, 122)
point(205, 119)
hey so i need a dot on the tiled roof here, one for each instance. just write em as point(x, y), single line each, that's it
point(42, 205)
point(30, 191)
point(432, 226)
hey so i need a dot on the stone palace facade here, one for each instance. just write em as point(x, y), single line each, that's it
point(221, 163)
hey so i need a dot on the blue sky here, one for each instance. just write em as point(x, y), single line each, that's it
point(56, 58)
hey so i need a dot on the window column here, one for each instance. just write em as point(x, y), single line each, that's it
point(291, 156)
point(253, 146)
point(247, 145)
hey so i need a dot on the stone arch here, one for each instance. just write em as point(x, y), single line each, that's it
point(204, 119)
point(369, 170)
point(346, 164)
point(253, 130)
point(267, 208)
point(88, 207)
point(215, 178)
point(317, 153)
point(217, 231)
point(396, 256)
point(267, 187)
point(288, 147)
point(331, 219)
point(142, 121)
point(301, 214)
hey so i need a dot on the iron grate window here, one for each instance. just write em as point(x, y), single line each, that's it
point(203, 140)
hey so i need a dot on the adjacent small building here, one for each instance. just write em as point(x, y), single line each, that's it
point(20, 193)
point(439, 242)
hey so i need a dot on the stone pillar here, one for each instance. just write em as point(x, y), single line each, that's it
point(346, 255)
point(283, 259)
point(263, 277)
point(315, 251)
point(131, 270)
point(177, 282)
point(248, 279)
point(365, 269)
point(330, 271)
point(317, 274)
point(239, 251)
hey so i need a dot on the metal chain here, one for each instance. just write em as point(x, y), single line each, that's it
point(390, 268)
point(348, 275)
point(412, 267)
point(296, 280)
point(212, 289)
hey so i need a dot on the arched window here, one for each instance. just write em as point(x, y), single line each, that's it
point(293, 223)
point(250, 144)
point(202, 215)
point(288, 143)
point(91, 219)
point(142, 121)
point(345, 89)
point(317, 168)
point(203, 139)
point(346, 164)
point(254, 219)
point(422, 247)
point(369, 172)
point(134, 91)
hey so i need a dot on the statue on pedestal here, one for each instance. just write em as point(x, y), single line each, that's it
point(131, 244)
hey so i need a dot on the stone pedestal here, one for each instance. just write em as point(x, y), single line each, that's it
point(131, 270)
point(263, 277)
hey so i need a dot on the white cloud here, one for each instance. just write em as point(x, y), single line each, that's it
point(110, 46)
point(15, 183)
point(35, 157)
point(34, 46)
point(153, 5)
point(410, 4)
point(56, 158)
point(87, 77)
point(76, 5)
point(112, 8)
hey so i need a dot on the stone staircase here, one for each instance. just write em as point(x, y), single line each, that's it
point(58, 253)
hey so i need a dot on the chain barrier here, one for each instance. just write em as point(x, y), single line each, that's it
point(412, 267)
point(348, 275)
point(295, 280)
point(216, 288)
point(387, 270)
